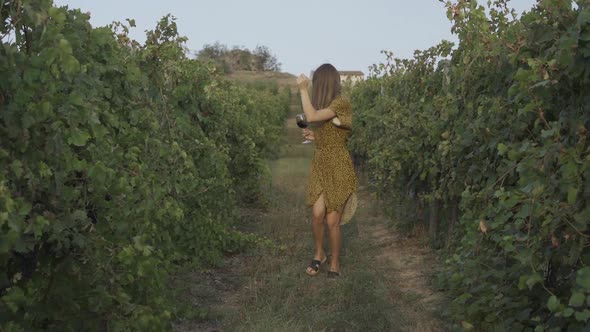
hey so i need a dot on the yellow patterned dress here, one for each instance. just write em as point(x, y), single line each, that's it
point(332, 171)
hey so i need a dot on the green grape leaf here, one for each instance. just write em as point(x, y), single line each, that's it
point(553, 303)
point(572, 195)
point(577, 299)
point(583, 316)
point(583, 278)
point(78, 137)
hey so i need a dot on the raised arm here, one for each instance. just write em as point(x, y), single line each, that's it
point(311, 113)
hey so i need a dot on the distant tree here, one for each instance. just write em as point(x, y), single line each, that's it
point(265, 60)
point(213, 52)
point(239, 58)
point(216, 53)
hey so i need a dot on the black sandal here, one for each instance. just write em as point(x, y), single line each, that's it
point(315, 266)
point(333, 274)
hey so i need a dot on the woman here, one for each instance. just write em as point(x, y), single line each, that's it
point(332, 181)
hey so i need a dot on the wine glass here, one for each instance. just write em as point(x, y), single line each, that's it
point(302, 123)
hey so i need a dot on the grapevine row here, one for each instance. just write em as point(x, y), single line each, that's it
point(485, 144)
point(119, 162)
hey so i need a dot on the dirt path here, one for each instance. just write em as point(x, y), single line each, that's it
point(407, 266)
point(385, 282)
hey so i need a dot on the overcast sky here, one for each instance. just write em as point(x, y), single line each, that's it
point(302, 34)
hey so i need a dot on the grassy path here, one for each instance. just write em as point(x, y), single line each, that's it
point(385, 277)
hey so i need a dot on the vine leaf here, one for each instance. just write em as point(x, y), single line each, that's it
point(572, 195)
point(577, 299)
point(583, 278)
point(79, 137)
point(553, 303)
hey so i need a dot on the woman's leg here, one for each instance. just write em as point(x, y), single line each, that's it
point(335, 239)
point(317, 225)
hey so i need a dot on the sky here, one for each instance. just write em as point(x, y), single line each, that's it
point(302, 34)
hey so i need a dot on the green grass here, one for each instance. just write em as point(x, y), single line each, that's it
point(281, 297)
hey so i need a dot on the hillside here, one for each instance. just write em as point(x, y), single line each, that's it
point(265, 77)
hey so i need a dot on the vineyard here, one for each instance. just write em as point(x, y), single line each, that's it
point(485, 145)
point(124, 164)
point(120, 162)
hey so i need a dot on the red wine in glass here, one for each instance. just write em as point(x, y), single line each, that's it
point(302, 123)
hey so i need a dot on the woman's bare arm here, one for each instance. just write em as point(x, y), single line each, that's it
point(311, 113)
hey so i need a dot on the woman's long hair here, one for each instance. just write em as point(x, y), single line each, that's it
point(325, 86)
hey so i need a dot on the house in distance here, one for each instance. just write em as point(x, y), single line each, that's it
point(352, 76)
